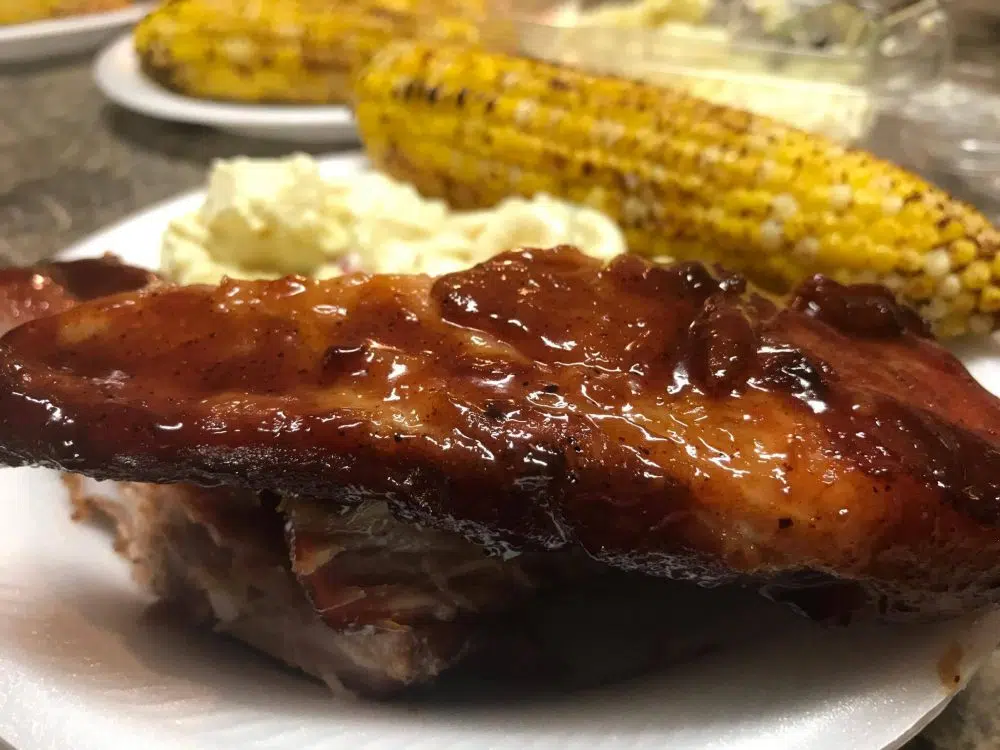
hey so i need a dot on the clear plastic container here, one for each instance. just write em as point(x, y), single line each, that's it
point(951, 130)
point(829, 67)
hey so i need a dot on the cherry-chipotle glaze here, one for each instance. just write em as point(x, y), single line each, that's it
point(661, 417)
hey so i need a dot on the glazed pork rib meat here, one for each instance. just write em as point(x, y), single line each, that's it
point(661, 418)
point(365, 603)
point(358, 599)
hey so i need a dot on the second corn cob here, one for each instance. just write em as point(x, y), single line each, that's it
point(25, 11)
point(289, 51)
point(683, 177)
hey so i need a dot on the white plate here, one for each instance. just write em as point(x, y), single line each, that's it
point(82, 667)
point(26, 42)
point(118, 74)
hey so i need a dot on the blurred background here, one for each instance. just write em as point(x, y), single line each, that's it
point(915, 81)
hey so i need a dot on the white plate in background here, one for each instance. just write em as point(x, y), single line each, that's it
point(83, 667)
point(118, 75)
point(38, 40)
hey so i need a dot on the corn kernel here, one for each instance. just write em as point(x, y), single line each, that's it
point(841, 196)
point(894, 282)
point(964, 303)
point(859, 248)
point(885, 232)
point(766, 170)
point(921, 235)
point(784, 206)
point(975, 223)
point(962, 253)
point(989, 299)
point(952, 231)
point(892, 205)
point(524, 111)
point(937, 263)
point(911, 261)
point(920, 288)
point(710, 155)
point(771, 235)
point(950, 286)
point(882, 258)
point(976, 275)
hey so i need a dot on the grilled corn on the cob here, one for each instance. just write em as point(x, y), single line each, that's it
point(25, 11)
point(292, 51)
point(683, 177)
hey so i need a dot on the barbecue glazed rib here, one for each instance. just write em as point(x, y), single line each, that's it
point(365, 603)
point(661, 418)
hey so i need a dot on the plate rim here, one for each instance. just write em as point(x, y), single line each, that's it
point(59, 27)
point(129, 88)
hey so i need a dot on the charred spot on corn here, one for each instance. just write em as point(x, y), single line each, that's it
point(682, 176)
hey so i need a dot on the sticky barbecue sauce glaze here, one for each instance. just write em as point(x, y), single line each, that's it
point(662, 417)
